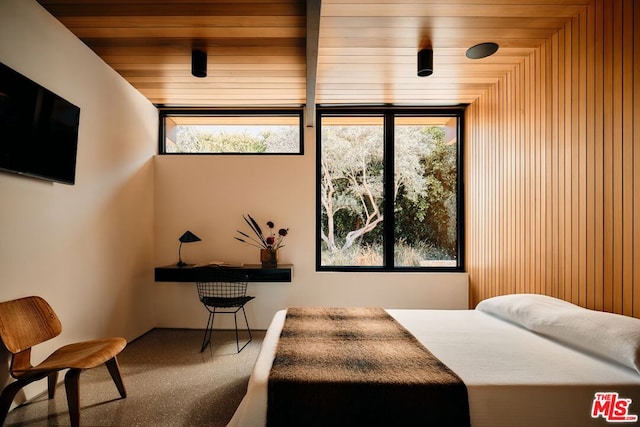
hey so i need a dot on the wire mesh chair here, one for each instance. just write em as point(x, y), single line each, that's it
point(227, 295)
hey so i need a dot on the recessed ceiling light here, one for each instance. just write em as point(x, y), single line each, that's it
point(482, 50)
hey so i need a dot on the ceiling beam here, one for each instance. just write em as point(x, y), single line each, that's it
point(313, 38)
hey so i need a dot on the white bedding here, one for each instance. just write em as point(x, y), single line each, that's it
point(513, 376)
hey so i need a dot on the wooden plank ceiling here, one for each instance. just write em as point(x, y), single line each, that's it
point(257, 52)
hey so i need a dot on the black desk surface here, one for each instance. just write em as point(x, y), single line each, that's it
point(199, 273)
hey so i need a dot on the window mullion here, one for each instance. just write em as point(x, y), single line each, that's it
point(388, 205)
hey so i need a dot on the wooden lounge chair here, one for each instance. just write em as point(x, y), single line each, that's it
point(29, 321)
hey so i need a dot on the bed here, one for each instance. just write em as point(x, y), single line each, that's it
point(525, 359)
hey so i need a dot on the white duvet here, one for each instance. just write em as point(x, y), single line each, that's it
point(514, 377)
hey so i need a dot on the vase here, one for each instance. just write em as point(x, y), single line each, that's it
point(269, 258)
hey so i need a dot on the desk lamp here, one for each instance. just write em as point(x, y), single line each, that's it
point(187, 237)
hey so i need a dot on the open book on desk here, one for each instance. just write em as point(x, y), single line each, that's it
point(220, 264)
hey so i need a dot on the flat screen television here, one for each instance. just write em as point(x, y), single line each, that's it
point(38, 130)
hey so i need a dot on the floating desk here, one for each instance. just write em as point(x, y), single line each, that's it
point(199, 273)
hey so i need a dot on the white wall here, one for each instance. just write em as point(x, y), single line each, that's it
point(89, 248)
point(209, 194)
point(86, 248)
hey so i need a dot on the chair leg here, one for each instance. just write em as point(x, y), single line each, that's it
point(6, 398)
point(114, 370)
point(207, 332)
point(248, 330)
point(247, 323)
point(235, 321)
point(52, 381)
point(72, 387)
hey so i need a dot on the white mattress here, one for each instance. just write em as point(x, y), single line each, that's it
point(513, 376)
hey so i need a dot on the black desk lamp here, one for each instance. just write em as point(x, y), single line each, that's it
point(187, 237)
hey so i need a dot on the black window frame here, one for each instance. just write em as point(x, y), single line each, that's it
point(388, 205)
point(165, 112)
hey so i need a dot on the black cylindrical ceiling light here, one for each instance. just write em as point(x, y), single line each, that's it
point(199, 63)
point(425, 62)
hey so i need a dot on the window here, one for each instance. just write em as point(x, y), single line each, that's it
point(389, 190)
point(231, 132)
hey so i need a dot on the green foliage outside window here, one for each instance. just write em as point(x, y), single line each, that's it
point(352, 196)
point(192, 139)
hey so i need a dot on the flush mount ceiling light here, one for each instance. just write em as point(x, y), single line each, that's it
point(425, 62)
point(199, 63)
point(482, 50)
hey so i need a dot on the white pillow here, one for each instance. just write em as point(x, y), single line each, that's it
point(527, 310)
point(612, 336)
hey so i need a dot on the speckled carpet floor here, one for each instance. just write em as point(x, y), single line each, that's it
point(168, 381)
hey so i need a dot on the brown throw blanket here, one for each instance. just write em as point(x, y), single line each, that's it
point(359, 366)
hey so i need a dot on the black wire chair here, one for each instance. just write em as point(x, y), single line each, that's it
point(227, 295)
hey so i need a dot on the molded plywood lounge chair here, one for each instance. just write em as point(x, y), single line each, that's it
point(29, 321)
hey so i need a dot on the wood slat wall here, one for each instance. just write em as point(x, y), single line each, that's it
point(553, 168)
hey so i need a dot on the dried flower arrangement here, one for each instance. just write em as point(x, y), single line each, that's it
point(271, 241)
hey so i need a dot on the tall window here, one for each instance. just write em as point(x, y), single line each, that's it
point(389, 190)
point(188, 131)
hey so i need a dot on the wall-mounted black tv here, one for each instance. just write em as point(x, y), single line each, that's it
point(38, 130)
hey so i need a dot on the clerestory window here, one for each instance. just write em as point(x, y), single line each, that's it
point(189, 131)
